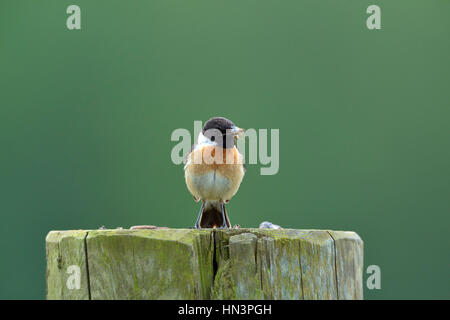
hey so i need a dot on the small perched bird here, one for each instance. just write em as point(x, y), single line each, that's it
point(214, 170)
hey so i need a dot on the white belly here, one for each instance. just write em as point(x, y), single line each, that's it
point(211, 186)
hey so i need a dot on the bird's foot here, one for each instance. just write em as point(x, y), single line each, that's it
point(225, 226)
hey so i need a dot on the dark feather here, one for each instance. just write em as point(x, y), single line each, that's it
point(212, 216)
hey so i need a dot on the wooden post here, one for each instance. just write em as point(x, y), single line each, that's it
point(204, 264)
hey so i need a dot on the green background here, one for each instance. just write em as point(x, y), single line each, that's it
point(86, 118)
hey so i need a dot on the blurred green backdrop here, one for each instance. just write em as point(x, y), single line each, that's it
point(86, 118)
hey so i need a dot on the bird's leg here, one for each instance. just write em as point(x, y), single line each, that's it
point(225, 222)
point(197, 223)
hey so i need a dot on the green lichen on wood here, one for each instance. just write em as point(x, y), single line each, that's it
point(66, 262)
point(204, 255)
point(282, 268)
point(349, 264)
point(238, 276)
point(207, 264)
point(53, 275)
point(150, 264)
point(317, 258)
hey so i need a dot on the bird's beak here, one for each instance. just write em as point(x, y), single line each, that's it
point(237, 132)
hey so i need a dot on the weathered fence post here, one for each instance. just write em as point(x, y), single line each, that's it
point(204, 264)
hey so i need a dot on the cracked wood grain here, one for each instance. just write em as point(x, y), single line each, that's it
point(206, 264)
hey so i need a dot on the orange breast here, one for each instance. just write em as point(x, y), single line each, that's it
point(207, 160)
point(216, 158)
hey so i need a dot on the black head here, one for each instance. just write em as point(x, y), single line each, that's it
point(220, 125)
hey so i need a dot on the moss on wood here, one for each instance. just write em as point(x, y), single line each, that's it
point(206, 264)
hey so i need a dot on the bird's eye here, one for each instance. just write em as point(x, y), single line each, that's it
point(213, 138)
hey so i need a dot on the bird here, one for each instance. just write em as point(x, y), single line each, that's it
point(214, 170)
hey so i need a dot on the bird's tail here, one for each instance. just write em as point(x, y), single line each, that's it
point(212, 215)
